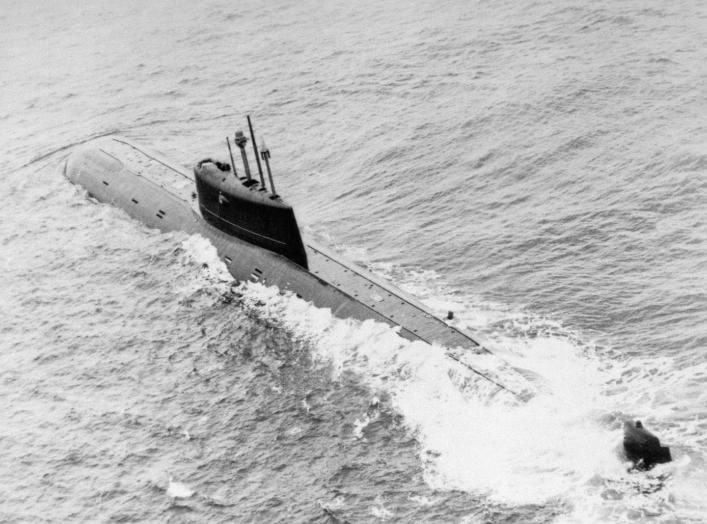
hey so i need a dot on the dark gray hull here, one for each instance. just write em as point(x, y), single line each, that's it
point(149, 188)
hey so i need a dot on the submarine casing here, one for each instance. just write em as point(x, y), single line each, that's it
point(152, 189)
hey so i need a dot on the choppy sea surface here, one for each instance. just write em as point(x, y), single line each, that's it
point(539, 168)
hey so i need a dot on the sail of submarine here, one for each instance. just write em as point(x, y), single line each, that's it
point(253, 229)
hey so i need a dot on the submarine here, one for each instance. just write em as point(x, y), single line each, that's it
point(255, 231)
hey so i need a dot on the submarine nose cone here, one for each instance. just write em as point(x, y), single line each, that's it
point(642, 447)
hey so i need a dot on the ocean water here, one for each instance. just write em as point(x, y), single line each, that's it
point(539, 168)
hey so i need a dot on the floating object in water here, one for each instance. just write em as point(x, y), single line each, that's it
point(642, 447)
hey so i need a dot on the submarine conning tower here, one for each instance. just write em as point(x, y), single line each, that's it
point(243, 207)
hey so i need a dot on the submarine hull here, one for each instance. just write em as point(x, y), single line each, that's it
point(162, 195)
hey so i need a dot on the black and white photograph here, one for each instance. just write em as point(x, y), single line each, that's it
point(391, 261)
